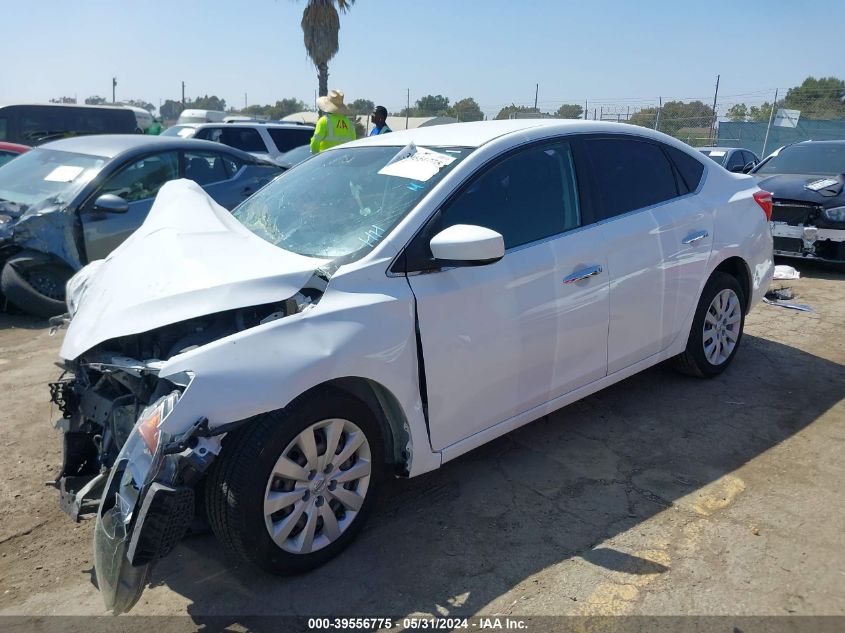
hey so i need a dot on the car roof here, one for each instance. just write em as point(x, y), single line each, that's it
point(233, 124)
point(478, 133)
point(720, 149)
point(111, 145)
point(835, 142)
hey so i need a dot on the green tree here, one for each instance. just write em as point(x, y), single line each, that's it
point(320, 27)
point(818, 98)
point(432, 105)
point(362, 106)
point(760, 113)
point(737, 112)
point(510, 111)
point(569, 111)
point(95, 100)
point(676, 116)
point(207, 103)
point(171, 110)
point(466, 110)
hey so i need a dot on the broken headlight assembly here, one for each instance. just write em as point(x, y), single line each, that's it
point(144, 511)
point(836, 214)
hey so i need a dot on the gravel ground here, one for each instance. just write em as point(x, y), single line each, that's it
point(660, 495)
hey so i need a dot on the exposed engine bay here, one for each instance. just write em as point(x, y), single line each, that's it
point(102, 394)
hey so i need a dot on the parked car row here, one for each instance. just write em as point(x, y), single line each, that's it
point(280, 360)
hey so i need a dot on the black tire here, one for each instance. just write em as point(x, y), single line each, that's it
point(237, 481)
point(693, 361)
point(35, 284)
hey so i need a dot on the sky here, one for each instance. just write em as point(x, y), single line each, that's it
point(613, 54)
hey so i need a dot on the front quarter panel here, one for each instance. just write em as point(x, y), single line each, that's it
point(350, 332)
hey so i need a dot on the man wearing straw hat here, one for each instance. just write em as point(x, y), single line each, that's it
point(333, 128)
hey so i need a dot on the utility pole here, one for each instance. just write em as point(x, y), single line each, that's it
point(407, 107)
point(245, 103)
point(657, 118)
point(183, 94)
point(585, 110)
point(536, 94)
point(713, 124)
point(113, 87)
point(769, 126)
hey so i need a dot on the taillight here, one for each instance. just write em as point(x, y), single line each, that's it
point(764, 199)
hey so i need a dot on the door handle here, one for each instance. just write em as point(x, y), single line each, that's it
point(692, 238)
point(581, 275)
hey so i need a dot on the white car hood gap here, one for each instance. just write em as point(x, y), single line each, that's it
point(188, 259)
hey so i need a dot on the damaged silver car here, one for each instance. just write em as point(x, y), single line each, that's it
point(73, 201)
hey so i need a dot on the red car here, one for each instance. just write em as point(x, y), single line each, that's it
point(8, 151)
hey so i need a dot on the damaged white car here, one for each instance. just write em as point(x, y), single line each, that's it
point(387, 306)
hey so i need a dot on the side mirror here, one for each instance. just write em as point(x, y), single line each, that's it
point(110, 203)
point(468, 245)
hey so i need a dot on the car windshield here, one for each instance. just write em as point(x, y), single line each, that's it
point(824, 159)
point(717, 155)
point(46, 177)
point(296, 155)
point(343, 202)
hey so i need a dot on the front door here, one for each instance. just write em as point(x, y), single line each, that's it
point(137, 183)
point(501, 339)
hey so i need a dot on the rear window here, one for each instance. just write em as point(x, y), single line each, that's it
point(286, 139)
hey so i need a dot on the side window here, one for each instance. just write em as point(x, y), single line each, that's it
point(689, 169)
point(748, 157)
point(143, 178)
point(232, 165)
point(210, 134)
point(526, 197)
point(286, 139)
point(735, 160)
point(205, 168)
point(246, 139)
point(629, 174)
point(4, 128)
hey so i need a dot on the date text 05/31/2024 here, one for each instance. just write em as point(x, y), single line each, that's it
point(448, 624)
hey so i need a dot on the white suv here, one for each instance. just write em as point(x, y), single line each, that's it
point(268, 140)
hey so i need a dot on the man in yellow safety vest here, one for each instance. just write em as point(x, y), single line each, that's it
point(333, 128)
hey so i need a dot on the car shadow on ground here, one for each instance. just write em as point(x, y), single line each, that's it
point(15, 319)
point(459, 538)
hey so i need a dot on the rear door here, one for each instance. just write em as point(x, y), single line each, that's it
point(657, 239)
point(501, 339)
point(219, 173)
point(137, 182)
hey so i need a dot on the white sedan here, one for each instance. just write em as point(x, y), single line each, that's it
point(385, 307)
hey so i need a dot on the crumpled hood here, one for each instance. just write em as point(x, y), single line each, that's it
point(188, 259)
point(794, 187)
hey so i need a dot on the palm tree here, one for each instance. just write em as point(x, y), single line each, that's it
point(320, 26)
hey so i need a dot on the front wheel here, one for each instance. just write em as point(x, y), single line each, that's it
point(716, 329)
point(292, 489)
point(35, 284)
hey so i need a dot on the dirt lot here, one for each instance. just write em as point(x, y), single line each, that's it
point(661, 495)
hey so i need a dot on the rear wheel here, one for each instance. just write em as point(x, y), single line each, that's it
point(292, 489)
point(716, 329)
point(35, 284)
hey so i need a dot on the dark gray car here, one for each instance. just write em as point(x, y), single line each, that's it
point(73, 201)
point(733, 159)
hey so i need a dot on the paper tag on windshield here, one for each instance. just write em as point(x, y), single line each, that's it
point(824, 183)
point(64, 173)
point(717, 153)
point(416, 163)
